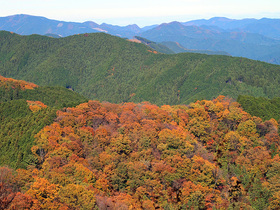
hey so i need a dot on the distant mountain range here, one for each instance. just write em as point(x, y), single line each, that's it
point(265, 26)
point(108, 68)
point(27, 25)
point(250, 38)
point(236, 43)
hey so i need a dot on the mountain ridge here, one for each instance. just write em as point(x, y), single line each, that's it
point(236, 43)
point(257, 39)
point(59, 150)
point(108, 68)
point(251, 25)
point(20, 24)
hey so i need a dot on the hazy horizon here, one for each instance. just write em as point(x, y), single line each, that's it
point(146, 13)
point(141, 26)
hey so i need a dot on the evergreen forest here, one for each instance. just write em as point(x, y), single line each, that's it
point(108, 68)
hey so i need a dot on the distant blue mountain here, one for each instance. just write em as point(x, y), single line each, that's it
point(174, 31)
point(27, 24)
point(265, 26)
point(221, 22)
point(211, 37)
point(251, 38)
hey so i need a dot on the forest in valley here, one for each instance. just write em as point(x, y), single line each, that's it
point(209, 154)
point(108, 68)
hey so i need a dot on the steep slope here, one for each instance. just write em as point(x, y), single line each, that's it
point(109, 68)
point(261, 107)
point(25, 108)
point(11, 89)
point(19, 124)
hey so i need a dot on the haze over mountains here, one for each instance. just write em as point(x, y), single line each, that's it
point(251, 38)
point(27, 24)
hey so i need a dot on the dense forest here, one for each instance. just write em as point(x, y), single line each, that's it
point(205, 155)
point(189, 147)
point(260, 106)
point(25, 108)
point(108, 68)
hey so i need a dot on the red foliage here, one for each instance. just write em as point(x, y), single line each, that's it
point(141, 156)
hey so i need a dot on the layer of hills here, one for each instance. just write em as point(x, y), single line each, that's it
point(265, 26)
point(235, 42)
point(109, 68)
point(250, 38)
point(170, 47)
point(210, 154)
point(27, 25)
point(59, 150)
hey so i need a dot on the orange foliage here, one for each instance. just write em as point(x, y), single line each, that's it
point(23, 85)
point(35, 106)
point(153, 51)
point(141, 156)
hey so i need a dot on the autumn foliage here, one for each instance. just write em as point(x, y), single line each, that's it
point(207, 155)
point(35, 106)
point(21, 84)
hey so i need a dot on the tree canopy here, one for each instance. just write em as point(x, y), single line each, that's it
point(207, 155)
point(108, 68)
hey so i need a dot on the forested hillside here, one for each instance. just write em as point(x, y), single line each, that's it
point(262, 107)
point(94, 121)
point(207, 155)
point(25, 108)
point(11, 89)
point(108, 68)
point(250, 38)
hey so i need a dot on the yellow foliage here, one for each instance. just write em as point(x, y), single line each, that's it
point(35, 106)
point(45, 192)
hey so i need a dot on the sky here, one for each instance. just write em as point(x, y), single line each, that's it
point(141, 12)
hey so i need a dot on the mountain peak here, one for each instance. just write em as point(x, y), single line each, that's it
point(173, 23)
point(220, 19)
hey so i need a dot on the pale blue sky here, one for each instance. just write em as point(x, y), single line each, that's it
point(141, 12)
